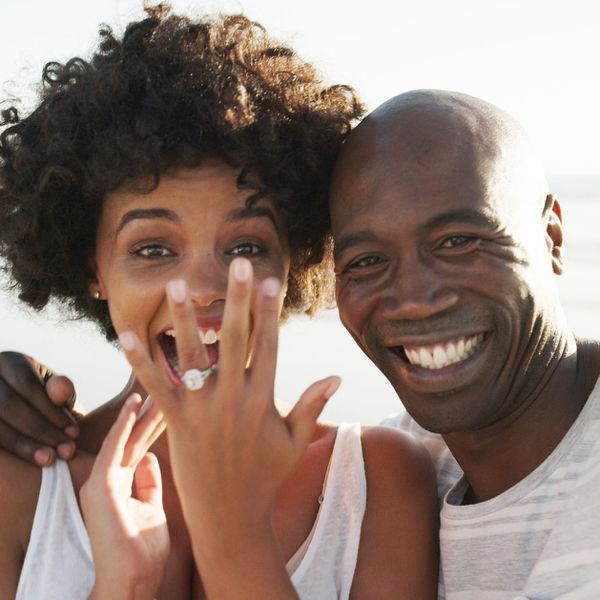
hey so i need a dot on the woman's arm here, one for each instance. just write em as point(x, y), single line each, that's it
point(19, 488)
point(398, 553)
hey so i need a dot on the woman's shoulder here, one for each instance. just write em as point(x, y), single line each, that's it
point(398, 548)
point(19, 489)
point(401, 479)
point(397, 453)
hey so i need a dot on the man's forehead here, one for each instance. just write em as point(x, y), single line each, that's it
point(391, 182)
point(436, 145)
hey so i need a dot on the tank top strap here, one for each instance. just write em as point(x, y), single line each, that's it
point(327, 568)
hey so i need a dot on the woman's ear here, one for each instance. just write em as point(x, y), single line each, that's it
point(95, 285)
point(554, 233)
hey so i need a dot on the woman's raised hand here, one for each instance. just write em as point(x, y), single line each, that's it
point(230, 448)
point(128, 531)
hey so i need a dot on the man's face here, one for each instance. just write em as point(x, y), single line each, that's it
point(444, 280)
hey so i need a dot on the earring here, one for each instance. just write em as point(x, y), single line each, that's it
point(97, 295)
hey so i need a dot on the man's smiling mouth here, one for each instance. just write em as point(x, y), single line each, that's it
point(441, 354)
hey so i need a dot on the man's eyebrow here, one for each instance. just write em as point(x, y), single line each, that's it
point(252, 212)
point(464, 215)
point(147, 213)
point(346, 241)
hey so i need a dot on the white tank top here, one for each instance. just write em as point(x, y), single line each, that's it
point(58, 563)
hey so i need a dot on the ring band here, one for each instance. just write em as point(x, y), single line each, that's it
point(194, 379)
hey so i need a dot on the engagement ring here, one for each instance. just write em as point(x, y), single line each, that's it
point(193, 379)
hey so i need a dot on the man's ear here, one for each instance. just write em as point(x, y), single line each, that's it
point(554, 232)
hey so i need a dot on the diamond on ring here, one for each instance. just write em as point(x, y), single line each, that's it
point(194, 379)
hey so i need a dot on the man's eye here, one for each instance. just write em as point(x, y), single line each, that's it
point(457, 241)
point(365, 261)
point(246, 249)
point(152, 251)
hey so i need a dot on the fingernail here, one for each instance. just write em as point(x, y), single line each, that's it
point(241, 269)
point(127, 340)
point(146, 406)
point(271, 287)
point(133, 400)
point(177, 290)
point(66, 450)
point(333, 387)
point(71, 430)
point(42, 456)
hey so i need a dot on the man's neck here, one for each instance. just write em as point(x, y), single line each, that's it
point(497, 457)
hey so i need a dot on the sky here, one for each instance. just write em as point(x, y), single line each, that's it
point(537, 60)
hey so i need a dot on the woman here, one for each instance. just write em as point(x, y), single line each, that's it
point(184, 150)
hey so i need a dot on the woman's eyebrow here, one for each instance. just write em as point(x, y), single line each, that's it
point(252, 212)
point(147, 213)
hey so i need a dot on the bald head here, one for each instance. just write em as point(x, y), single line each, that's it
point(445, 134)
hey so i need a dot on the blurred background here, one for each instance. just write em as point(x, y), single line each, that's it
point(537, 60)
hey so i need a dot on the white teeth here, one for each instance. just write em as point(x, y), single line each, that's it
point(439, 357)
point(444, 354)
point(451, 351)
point(413, 356)
point(425, 358)
point(209, 337)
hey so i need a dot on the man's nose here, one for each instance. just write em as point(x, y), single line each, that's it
point(416, 290)
point(207, 280)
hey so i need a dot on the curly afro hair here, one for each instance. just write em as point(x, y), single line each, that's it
point(171, 92)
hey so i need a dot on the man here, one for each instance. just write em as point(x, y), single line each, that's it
point(446, 247)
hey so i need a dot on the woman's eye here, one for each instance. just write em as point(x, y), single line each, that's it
point(457, 241)
point(152, 251)
point(246, 249)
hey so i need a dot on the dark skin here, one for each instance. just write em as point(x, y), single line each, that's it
point(459, 238)
point(31, 427)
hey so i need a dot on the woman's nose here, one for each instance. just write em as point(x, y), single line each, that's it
point(207, 280)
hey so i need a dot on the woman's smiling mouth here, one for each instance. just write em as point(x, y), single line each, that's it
point(166, 341)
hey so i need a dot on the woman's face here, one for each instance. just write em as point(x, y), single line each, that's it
point(190, 227)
